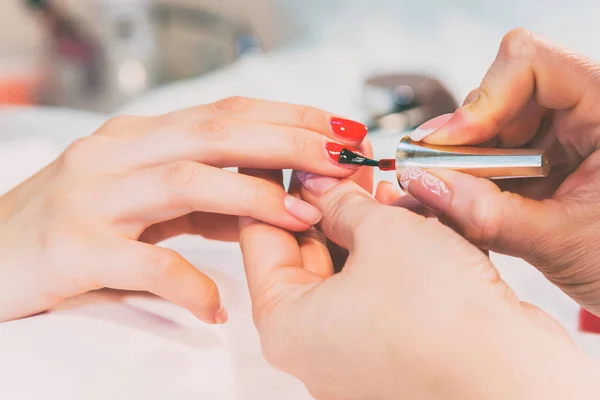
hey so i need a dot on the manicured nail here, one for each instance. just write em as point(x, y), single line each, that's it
point(302, 210)
point(588, 322)
point(427, 188)
point(316, 184)
point(221, 316)
point(349, 130)
point(334, 150)
point(429, 127)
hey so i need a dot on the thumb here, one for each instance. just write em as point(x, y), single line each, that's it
point(351, 214)
point(345, 205)
point(504, 222)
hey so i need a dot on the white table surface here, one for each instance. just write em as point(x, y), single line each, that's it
point(110, 345)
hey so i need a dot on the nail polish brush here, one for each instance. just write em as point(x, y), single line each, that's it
point(490, 163)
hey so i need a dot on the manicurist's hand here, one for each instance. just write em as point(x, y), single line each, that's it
point(90, 219)
point(417, 312)
point(537, 95)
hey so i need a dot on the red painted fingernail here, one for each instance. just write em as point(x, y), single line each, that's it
point(347, 129)
point(334, 149)
point(588, 322)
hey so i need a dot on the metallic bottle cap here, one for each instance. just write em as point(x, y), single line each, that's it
point(491, 163)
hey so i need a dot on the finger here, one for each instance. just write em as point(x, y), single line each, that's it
point(224, 228)
point(313, 243)
point(499, 221)
point(171, 191)
point(165, 273)
point(523, 129)
point(350, 212)
point(471, 97)
point(277, 113)
point(273, 263)
point(387, 193)
point(364, 176)
point(526, 68)
point(231, 142)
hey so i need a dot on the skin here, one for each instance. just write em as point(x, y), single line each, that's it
point(535, 94)
point(91, 218)
point(381, 328)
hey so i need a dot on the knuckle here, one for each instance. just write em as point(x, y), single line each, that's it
point(305, 115)
point(518, 43)
point(258, 192)
point(488, 220)
point(471, 97)
point(162, 263)
point(234, 103)
point(181, 174)
point(210, 294)
point(347, 212)
point(215, 129)
point(81, 151)
point(118, 123)
point(339, 211)
point(302, 142)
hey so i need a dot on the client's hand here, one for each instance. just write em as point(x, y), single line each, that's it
point(416, 313)
point(534, 95)
point(90, 219)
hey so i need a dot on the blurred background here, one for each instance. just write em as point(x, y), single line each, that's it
point(100, 55)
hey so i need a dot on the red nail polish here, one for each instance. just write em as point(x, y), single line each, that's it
point(334, 149)
point(588, 322)
point(348, 129)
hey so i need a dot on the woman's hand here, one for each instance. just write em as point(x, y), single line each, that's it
point(416, 313)
point(90, 219)
point(534, 95)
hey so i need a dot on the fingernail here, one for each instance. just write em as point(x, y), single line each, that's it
point(588, 322)
point(429, 127)
point(302, 210)
point(221, 316)
point(347, 129)
point(316, 184)
point(334, 150)
point(427, 188)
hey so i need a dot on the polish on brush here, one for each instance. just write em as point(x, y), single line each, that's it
point(355, 158)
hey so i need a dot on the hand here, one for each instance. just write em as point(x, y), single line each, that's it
point(89, 219)
point(416, 313)
point(541, 96)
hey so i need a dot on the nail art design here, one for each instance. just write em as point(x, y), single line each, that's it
point(410, 174)
point(430, 182)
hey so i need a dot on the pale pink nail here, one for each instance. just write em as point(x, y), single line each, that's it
point(427, 188)
point(317, 184)
point(429, 127)
point(302, 210)
point(221, 316)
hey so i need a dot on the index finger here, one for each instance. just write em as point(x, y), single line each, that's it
point(284, 114)
point(526, 68)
